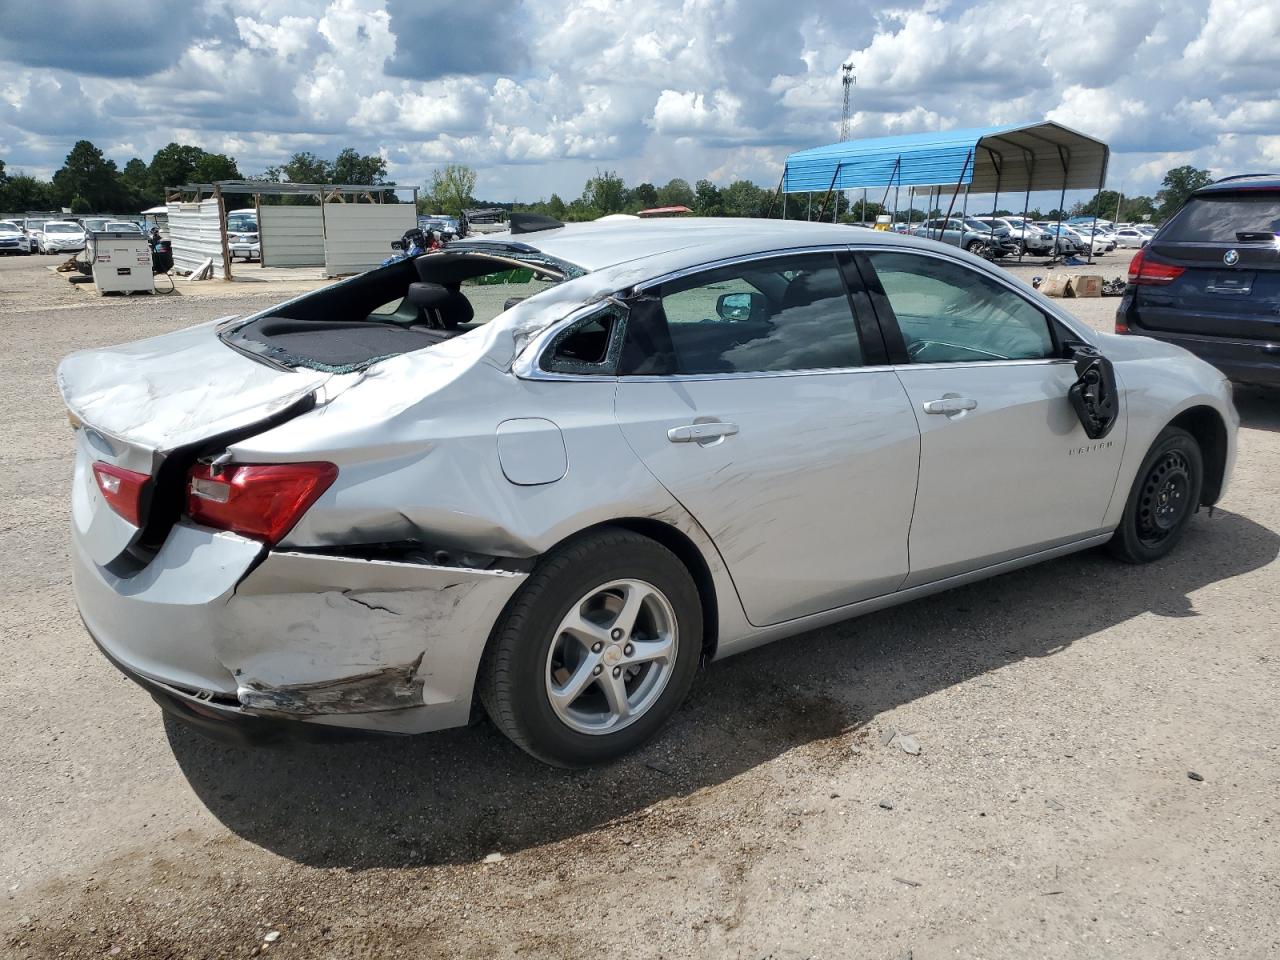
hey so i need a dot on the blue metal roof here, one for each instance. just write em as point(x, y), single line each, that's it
point(1018, 157)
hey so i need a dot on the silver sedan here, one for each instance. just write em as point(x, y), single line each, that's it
point(551, 471)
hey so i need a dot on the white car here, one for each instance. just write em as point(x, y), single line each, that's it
point(13, 239)
point(60, 236)
point(1131, 237)
point(242, 234)
point(386, 502)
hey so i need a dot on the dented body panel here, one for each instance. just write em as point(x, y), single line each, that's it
point(458, 467)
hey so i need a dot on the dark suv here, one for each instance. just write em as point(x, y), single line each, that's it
point(1209, 280)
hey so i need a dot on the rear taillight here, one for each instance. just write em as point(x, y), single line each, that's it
point(122, 489)
point(1146, 269)
point(261, 501)
point(1121, 326)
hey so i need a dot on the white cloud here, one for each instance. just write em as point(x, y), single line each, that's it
point(537, 96)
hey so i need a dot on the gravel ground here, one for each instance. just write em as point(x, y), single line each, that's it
point(1050, 813)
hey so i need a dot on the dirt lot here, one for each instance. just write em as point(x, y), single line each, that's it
point(1049, 813)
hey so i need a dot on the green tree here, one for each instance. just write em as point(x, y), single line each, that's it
point(215, 166)
point(677, 193)
point(642, 197)
point(306, 167)
point(1178, 184)
point(81, 206)
point(174, 165)
point(605, 193)
point(354, 167)
point(555, 207)
point(87, 174)
point(452, 189)
point(742, 198)
point(857, 213)
point(706, 199)
point(20, 192)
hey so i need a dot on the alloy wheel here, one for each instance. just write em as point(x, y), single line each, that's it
point(612, 656)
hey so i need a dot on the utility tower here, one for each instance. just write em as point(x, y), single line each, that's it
point(848, 79)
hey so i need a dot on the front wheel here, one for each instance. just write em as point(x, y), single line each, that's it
point(597, 650)
point(977, 248)
point(1164, 496)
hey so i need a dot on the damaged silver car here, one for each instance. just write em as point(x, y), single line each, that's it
point(550, 471)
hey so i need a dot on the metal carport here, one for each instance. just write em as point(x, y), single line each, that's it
point(1018, 158)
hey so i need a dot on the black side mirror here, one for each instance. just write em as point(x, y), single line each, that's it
point(1093, 395)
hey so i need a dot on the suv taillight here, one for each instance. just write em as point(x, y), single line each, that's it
point(261, 501)
point(1146, 269)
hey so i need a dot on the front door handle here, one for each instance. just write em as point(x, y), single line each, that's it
point(950, 405)
point(704, 433)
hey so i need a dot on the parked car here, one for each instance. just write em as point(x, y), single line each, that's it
point(1028, 236)
point(1129, 237)
point(1067, 242)
point(971, 234)
point(1079, 240)
point(1209, 280)
point(368, 507)
point(12, 239)
point(243, 238)
point(60, 236)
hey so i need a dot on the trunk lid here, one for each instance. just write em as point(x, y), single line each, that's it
point(151, 407)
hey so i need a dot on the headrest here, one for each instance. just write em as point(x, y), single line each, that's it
point(441, 306)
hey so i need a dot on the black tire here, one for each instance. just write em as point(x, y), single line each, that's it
point(1165, 495)
point(975, 247)
point(511, 683)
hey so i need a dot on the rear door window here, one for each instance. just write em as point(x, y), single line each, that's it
point(1226, 218)
point(779, 314)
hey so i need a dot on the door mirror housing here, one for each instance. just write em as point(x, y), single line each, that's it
point(1093, 395)
point(740, 306)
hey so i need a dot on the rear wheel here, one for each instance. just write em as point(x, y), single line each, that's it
point(1165, 494)
point(976, 247)
point(596, 652)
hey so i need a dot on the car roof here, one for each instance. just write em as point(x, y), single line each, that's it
point(1249, 181)
point(599, 244)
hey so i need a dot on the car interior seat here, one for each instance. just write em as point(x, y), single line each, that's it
point(440, 307)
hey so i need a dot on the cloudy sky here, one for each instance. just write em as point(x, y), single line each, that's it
point(537, 95)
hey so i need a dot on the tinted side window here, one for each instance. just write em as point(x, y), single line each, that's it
point(785, 313)
point(950, 313)
point(1227, 218)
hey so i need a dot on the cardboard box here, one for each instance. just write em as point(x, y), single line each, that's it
point(1087, 285)
point(1057, 285)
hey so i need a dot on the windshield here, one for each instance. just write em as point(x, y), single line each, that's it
point(61, 228)
point(1226, 218)
point(122, 225)
point(243, 225)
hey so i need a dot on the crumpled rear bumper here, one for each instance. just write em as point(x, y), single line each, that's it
point(315, 638)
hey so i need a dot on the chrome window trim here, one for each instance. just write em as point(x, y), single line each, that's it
point(527, 366)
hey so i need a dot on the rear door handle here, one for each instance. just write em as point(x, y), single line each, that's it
point(703, 433)
point(950, 405)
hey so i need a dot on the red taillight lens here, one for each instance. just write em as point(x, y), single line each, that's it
point(122, 489)
point(1121, 326)
point(1146, 269)
point(261, 501)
